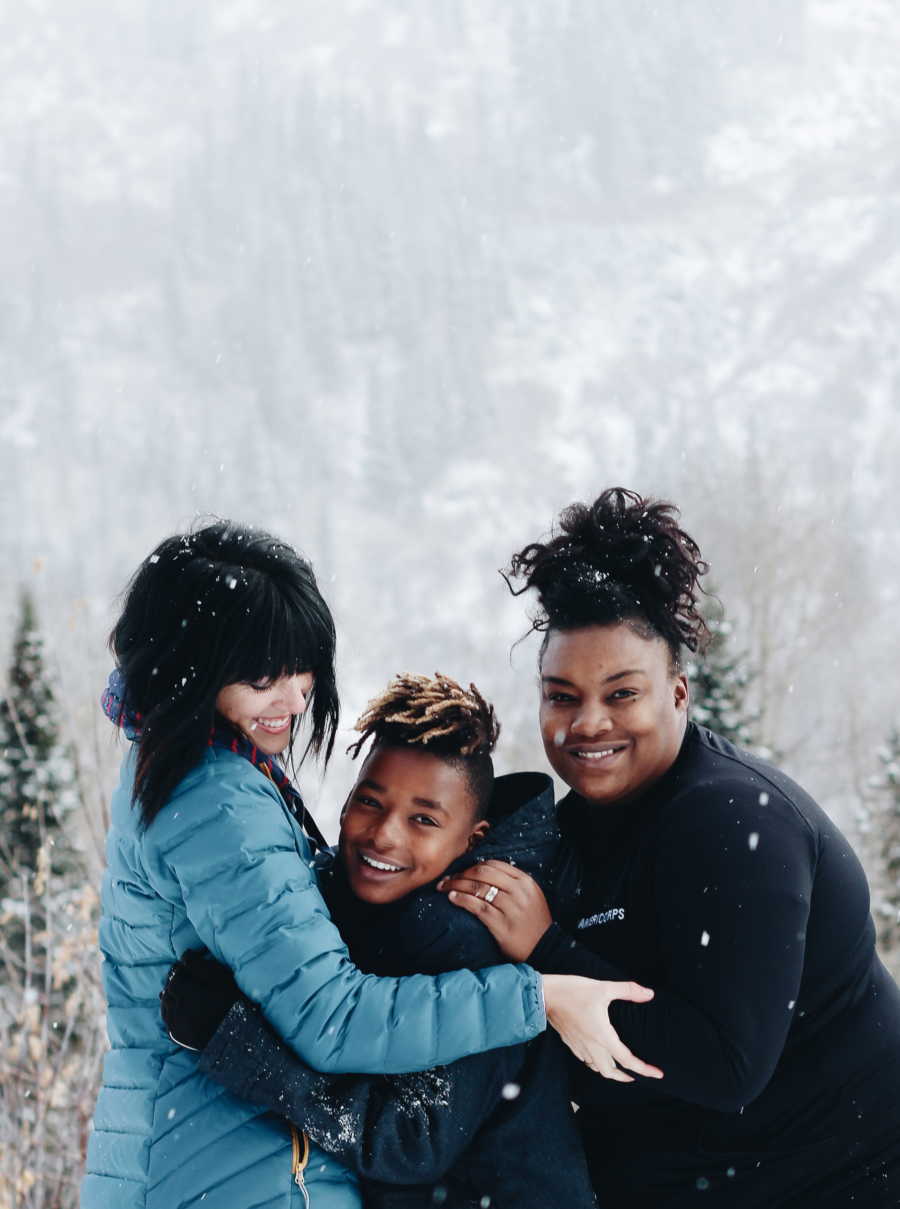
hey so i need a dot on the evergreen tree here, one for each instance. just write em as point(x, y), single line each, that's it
point(37, 779)
point(719, 683)
point(881, 826)
point(49, 992)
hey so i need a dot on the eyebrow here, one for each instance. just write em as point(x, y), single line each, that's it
point(632, 671)
point(428, 803)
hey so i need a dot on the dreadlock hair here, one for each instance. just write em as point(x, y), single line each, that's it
point(223, 604)
point(621, 559)
point(441, 717)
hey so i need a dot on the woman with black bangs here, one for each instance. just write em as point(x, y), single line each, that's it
point(711, 877)
point(223, 644)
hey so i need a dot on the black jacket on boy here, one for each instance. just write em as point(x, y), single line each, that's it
point(492, 1129)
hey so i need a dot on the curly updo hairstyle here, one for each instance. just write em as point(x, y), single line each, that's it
point(622, 559)
point(437, 715)
point(223, 604)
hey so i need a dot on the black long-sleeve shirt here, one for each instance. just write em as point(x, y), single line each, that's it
point(731, 893)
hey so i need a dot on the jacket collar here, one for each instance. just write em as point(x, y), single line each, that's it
point(524, 830)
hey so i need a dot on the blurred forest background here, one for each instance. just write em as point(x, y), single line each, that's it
point(399, 281)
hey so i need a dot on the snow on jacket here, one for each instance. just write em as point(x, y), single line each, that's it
point(451, 1132)
point(225, 866)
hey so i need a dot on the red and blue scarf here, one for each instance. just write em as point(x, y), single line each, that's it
point(114, 703)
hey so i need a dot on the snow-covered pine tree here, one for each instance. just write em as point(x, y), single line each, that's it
point(38, 786)
point(719, 682)
point(881, 825)
point(49, 983)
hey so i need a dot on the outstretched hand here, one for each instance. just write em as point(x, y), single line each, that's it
point(509, 903)
point(578, 1008)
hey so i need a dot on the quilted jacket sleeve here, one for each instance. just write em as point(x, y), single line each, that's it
point(225, 848)
point(405, 1129)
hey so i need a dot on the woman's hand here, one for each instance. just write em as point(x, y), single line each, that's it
point(578, 1008)
point(509, 903)
point(197, 996)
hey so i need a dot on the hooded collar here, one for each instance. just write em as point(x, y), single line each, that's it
point(524, 830)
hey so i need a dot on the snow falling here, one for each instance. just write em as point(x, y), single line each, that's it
point(399, 289)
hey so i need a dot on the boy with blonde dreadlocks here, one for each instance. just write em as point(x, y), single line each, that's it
point(494, 1129)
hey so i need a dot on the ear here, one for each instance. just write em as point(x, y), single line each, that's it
point(478, 832)
point(682, 693)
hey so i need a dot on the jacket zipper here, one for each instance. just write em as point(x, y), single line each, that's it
point(299, 1159)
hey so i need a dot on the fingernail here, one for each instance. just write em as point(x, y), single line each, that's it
point(442, 883)
point(452, 894)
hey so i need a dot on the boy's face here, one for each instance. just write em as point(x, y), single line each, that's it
point(410, 815)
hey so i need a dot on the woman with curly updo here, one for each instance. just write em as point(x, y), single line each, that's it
point(708, 875)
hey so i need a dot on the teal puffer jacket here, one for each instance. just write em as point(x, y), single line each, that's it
point(225, 866)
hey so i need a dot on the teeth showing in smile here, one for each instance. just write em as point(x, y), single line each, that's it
point(273, 724)
point(368, 860)
point(603, 754)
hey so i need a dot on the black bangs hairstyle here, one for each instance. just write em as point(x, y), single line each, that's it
point(436, 715)
point(621, 559)
point(224, 604)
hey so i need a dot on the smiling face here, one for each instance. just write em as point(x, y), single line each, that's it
point(408, 817)
point(613, 710)
point(265, 710)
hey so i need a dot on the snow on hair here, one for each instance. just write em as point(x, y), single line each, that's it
point(622, 558)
